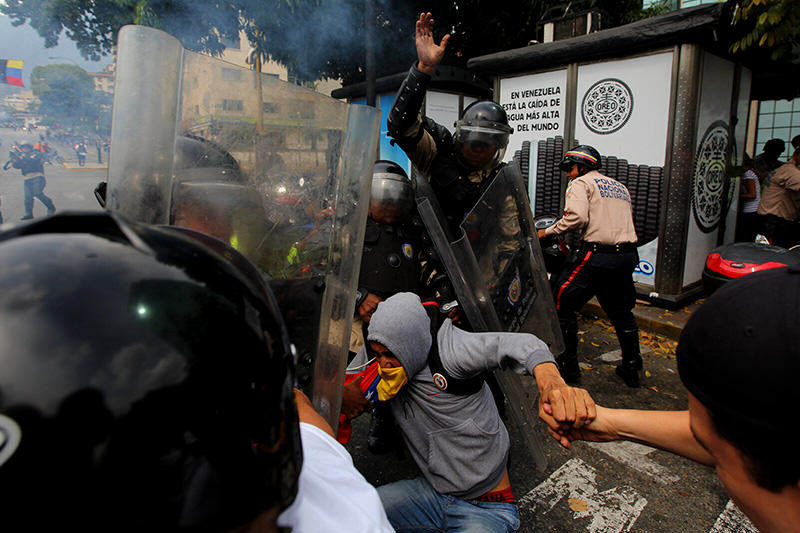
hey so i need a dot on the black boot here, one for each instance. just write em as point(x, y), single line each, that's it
point(382, 435)
point(568, 361)
point(631, 367)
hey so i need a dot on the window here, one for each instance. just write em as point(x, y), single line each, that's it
point(231, 105)
point(231, 42)
point(778, 119)
point(269, 107)
point(303, 110)
point(231, 74)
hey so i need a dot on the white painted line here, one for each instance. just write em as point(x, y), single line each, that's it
point(611, 511)
point(732, 520)
point(634, 455)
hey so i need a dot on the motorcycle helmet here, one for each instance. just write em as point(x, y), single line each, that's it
point(481, 135)
point(146, 383)
point(584, 155)
point(392, 196)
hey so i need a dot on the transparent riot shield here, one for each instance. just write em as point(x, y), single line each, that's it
point(495, 264)
point(280, 172)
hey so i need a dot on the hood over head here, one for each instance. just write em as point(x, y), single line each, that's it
point(401, 324)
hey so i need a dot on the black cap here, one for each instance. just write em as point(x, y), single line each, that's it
point(739, 352)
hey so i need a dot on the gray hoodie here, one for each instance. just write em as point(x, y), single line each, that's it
point(458, 441)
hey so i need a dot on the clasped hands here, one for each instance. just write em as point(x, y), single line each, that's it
point(569, 412)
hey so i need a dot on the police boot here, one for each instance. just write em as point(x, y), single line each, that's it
point(382, 435)
point(631, 366)
point(568, 361)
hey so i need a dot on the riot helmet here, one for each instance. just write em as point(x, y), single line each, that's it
point(210, 194)
point(392, 195)
point(584, 156)
point(146, 383)
point(481, 135)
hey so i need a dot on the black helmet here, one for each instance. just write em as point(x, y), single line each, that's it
point(392, 196)
point(584, 155)
point(146, 382)
point(481, 135)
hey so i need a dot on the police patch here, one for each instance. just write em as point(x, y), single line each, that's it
point(408, 251)
point(440, 381)
point(514, 291)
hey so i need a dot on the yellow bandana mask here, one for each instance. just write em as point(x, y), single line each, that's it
point(392, 380)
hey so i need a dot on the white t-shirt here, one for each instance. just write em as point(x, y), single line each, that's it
point(750, 205)
point(332, 495)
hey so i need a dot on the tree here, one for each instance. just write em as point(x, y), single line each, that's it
point(765, 24)
point(67, 96)
point(313, 38)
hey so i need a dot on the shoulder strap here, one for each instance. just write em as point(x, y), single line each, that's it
point(443, 380)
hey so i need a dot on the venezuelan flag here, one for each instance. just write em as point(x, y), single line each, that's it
point(11, 71)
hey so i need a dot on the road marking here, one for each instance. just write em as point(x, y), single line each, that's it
point(611, 511)
point(634, 455)
point(732, 520)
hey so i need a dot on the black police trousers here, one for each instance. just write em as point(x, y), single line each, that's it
point(607, 275)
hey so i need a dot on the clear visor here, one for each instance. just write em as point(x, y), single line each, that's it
point(472, 135)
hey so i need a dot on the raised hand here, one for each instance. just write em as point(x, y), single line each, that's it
point(428, 52)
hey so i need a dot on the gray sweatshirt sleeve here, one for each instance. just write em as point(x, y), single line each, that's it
point(465, 354)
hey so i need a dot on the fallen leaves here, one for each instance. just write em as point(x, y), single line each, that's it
point(661, 346)
point(577, 505)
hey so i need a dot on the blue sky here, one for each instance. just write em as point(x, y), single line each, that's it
point(22, 42)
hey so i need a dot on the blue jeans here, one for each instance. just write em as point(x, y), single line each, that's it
point(34, 188)
point(413, 505)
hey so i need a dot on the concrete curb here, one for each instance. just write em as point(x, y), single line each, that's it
point(83, 169)
point(646, 323)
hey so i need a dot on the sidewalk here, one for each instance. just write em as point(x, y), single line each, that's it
point(651, 318)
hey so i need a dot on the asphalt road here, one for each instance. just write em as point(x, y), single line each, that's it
point(610, 487)
point(69, 189)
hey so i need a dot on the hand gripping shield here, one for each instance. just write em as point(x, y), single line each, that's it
point(495, 265)
point(277, 171)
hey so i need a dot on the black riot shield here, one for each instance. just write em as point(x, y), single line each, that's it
point(495, 264)
point(279, 172)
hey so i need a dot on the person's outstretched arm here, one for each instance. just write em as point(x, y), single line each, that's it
point(307, 414)
point(667, 430)
point(404, 122)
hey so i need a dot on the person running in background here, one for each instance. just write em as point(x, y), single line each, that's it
point(31, 163)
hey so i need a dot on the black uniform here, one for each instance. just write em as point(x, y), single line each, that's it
point(390, 260)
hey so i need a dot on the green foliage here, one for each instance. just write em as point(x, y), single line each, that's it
point(313, 38)
point(67, 96)
point(765, 24)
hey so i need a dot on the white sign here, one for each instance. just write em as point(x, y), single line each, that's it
point(535, 107)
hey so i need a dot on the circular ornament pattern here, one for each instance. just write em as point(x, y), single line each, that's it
point(709, 176)
point(607, 106)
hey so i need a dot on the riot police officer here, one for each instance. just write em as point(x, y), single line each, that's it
point(123, 405)
point(390, 263)
point(392, 242)
point(461, 165)
point(599, 208)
